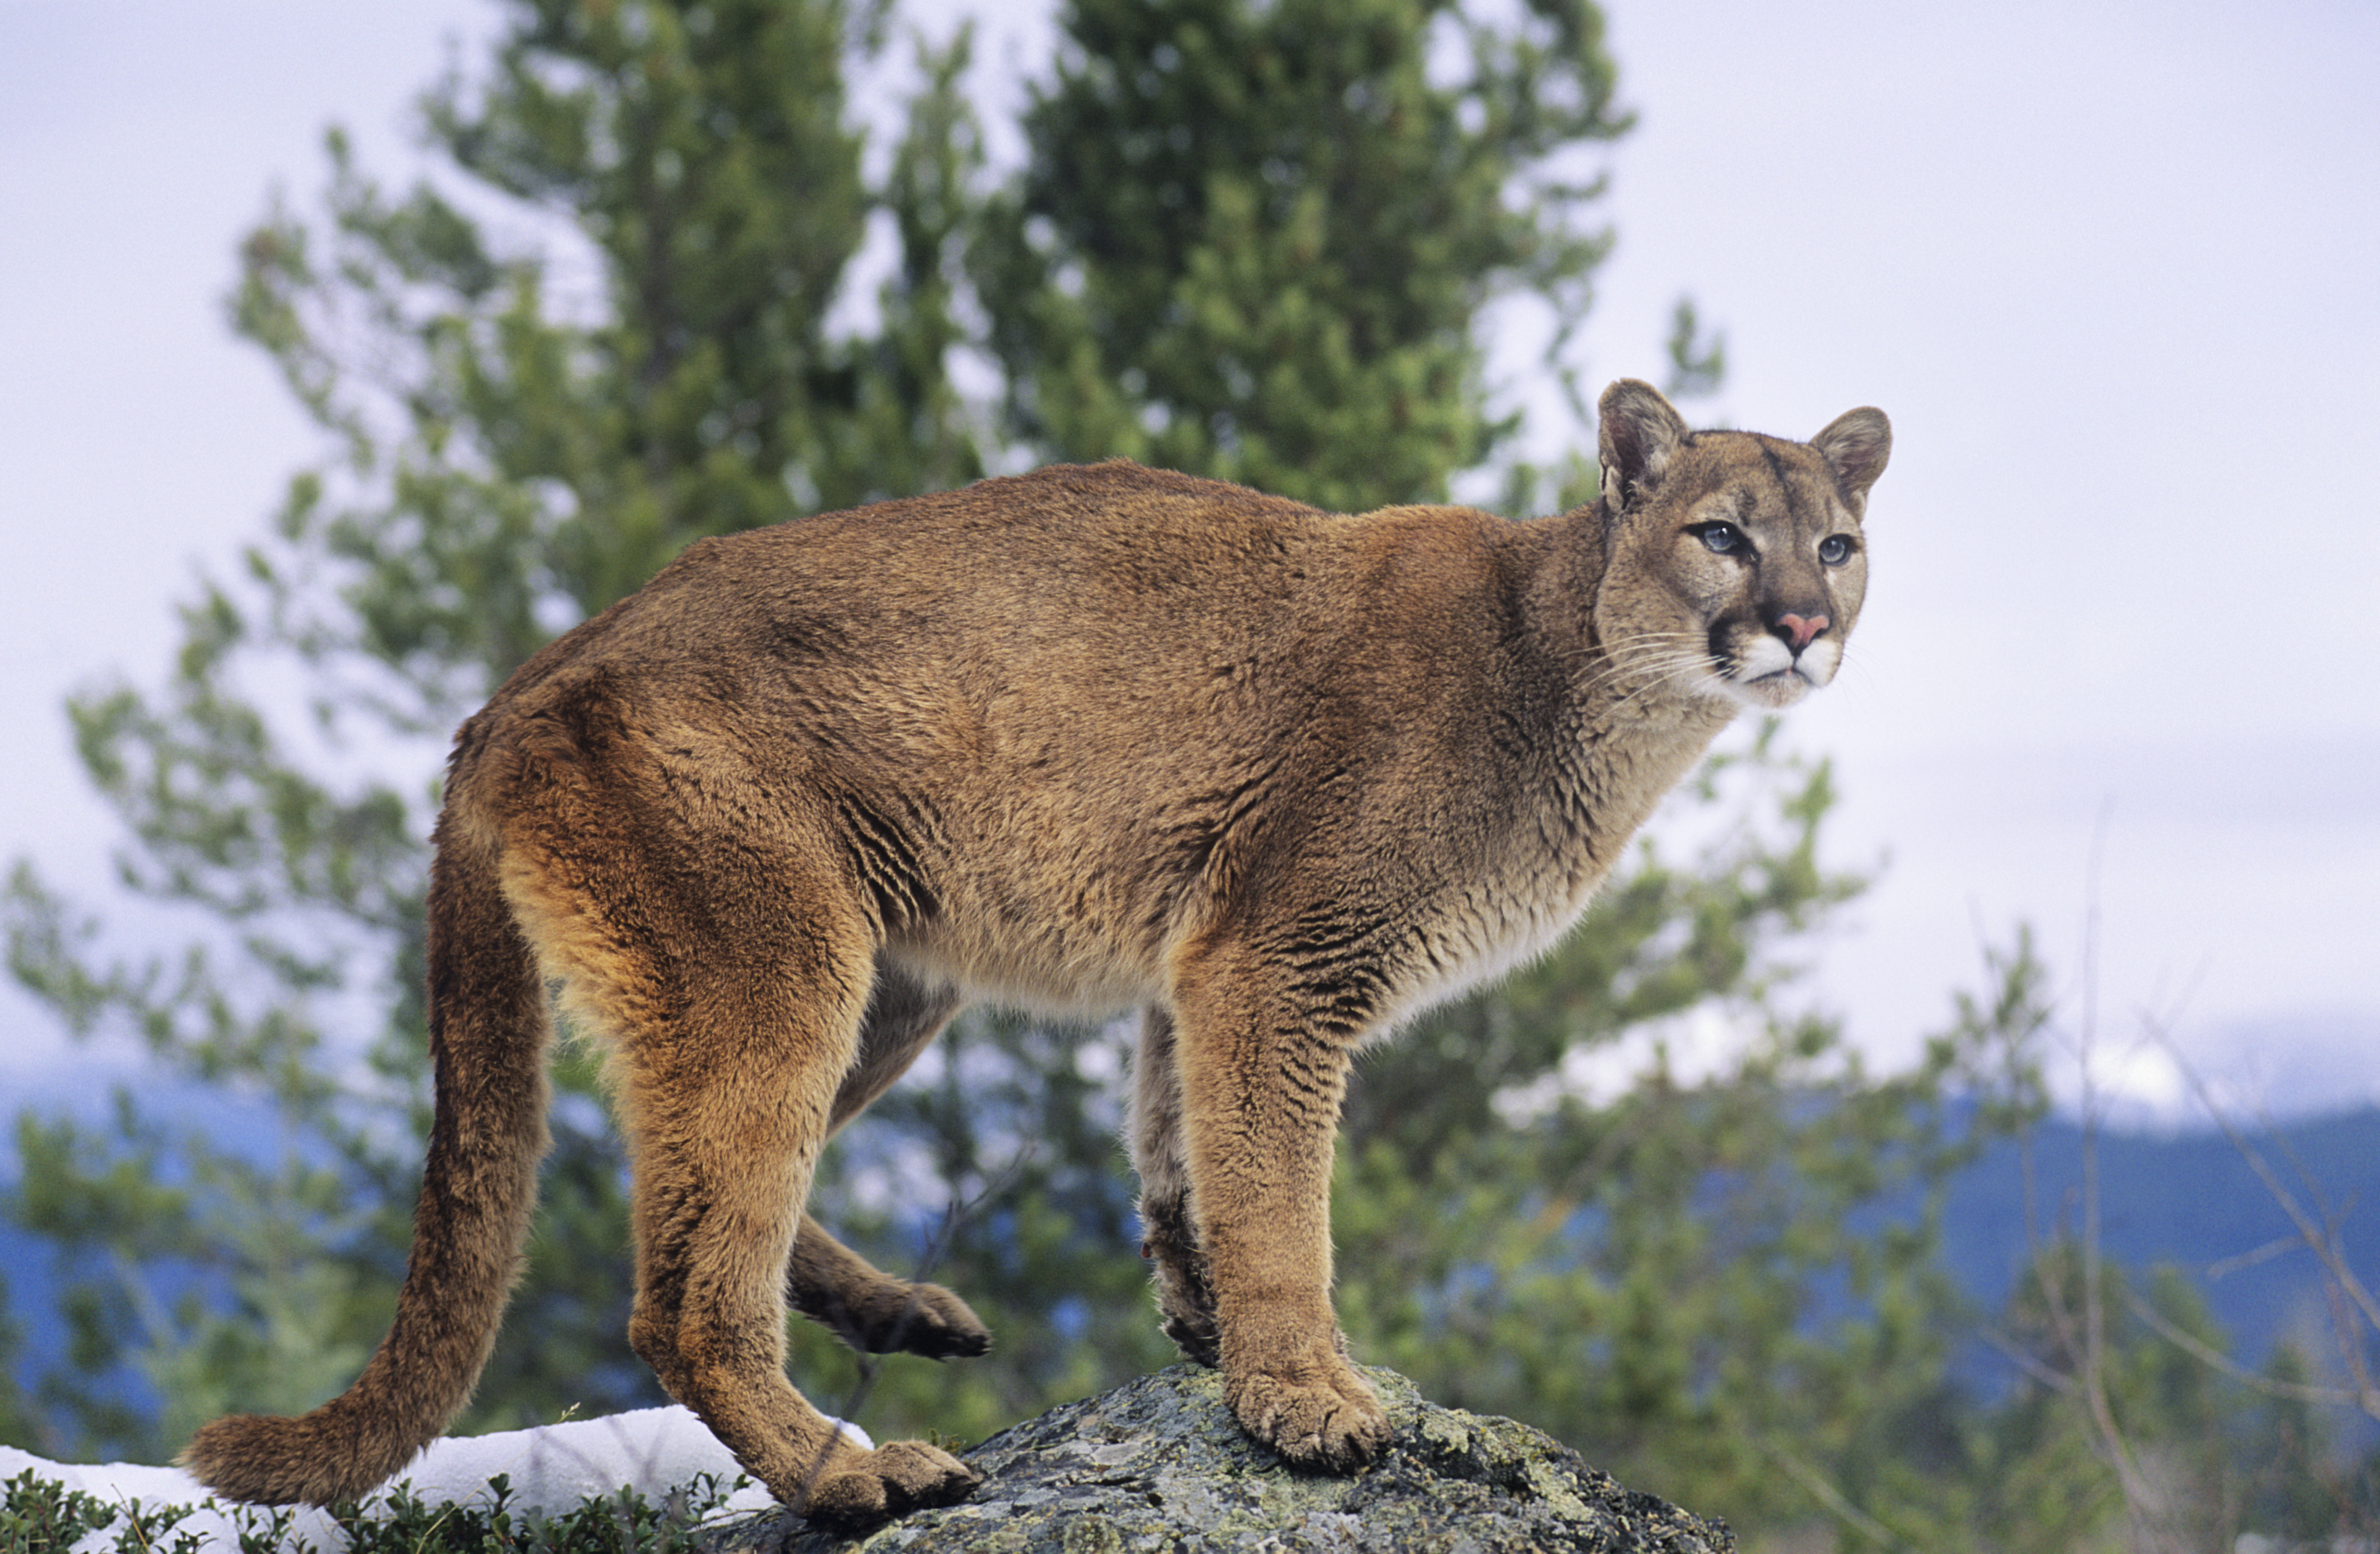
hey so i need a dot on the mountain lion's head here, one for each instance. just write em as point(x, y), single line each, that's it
point(1736, 565)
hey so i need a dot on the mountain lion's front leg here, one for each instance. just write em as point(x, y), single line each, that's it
point(1263, 1052)
point(1168, 1226)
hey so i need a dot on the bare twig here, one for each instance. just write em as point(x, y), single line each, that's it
point(1822, 1491)
point(2256, 1257)
point(2189, 1342)
point(2082, 1336)
point(2031, 1363)
point(938, 1245)
point(2349, 1296)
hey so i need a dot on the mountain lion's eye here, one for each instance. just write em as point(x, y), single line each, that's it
point(1835, 548)
point(1724, 538)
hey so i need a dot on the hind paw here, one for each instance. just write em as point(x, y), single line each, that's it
point(899, 1317)
point(903, 1476)
point(934, 1323)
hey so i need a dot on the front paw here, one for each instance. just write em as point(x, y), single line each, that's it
point(863, 1488)
point(1316, 1412)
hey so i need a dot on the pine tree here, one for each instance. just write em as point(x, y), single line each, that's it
point(1256, 240)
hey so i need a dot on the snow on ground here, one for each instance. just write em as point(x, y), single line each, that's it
point(553, 1468)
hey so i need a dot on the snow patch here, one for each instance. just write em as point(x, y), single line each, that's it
point(552, 1469)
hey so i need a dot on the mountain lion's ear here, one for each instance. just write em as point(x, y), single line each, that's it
point(1855, 444)
point(1636, 431)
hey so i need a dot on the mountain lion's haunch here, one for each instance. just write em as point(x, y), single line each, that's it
point(1083, 739)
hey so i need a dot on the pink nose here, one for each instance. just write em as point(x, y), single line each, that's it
point(1800, 630)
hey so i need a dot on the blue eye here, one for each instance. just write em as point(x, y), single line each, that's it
point(1835, 548)
point(1722, 539)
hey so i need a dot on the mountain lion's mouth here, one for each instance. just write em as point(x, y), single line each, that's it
point(1778, 688)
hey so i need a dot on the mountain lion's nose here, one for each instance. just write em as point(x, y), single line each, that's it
point(1799, 630)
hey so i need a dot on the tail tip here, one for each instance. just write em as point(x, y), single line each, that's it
point(265, 1461)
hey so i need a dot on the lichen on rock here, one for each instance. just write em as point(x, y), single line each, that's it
point(1160, 1464)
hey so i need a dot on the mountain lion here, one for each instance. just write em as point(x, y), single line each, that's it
point(1080, 740)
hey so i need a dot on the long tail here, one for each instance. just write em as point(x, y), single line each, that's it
point(489, 1032)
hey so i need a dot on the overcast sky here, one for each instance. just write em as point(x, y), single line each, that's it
point(2110, 267)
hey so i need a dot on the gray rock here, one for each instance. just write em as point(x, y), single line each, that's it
point(1158, 1465)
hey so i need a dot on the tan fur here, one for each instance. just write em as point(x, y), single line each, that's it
point(1086, 738)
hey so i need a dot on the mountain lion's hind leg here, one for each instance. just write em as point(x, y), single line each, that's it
point(729, 1056)
point(1186, 1295)
point(876, 1312)
point(873, 1311)
point(1263, 1043)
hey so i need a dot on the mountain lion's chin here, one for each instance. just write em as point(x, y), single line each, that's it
point(1769, 693)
